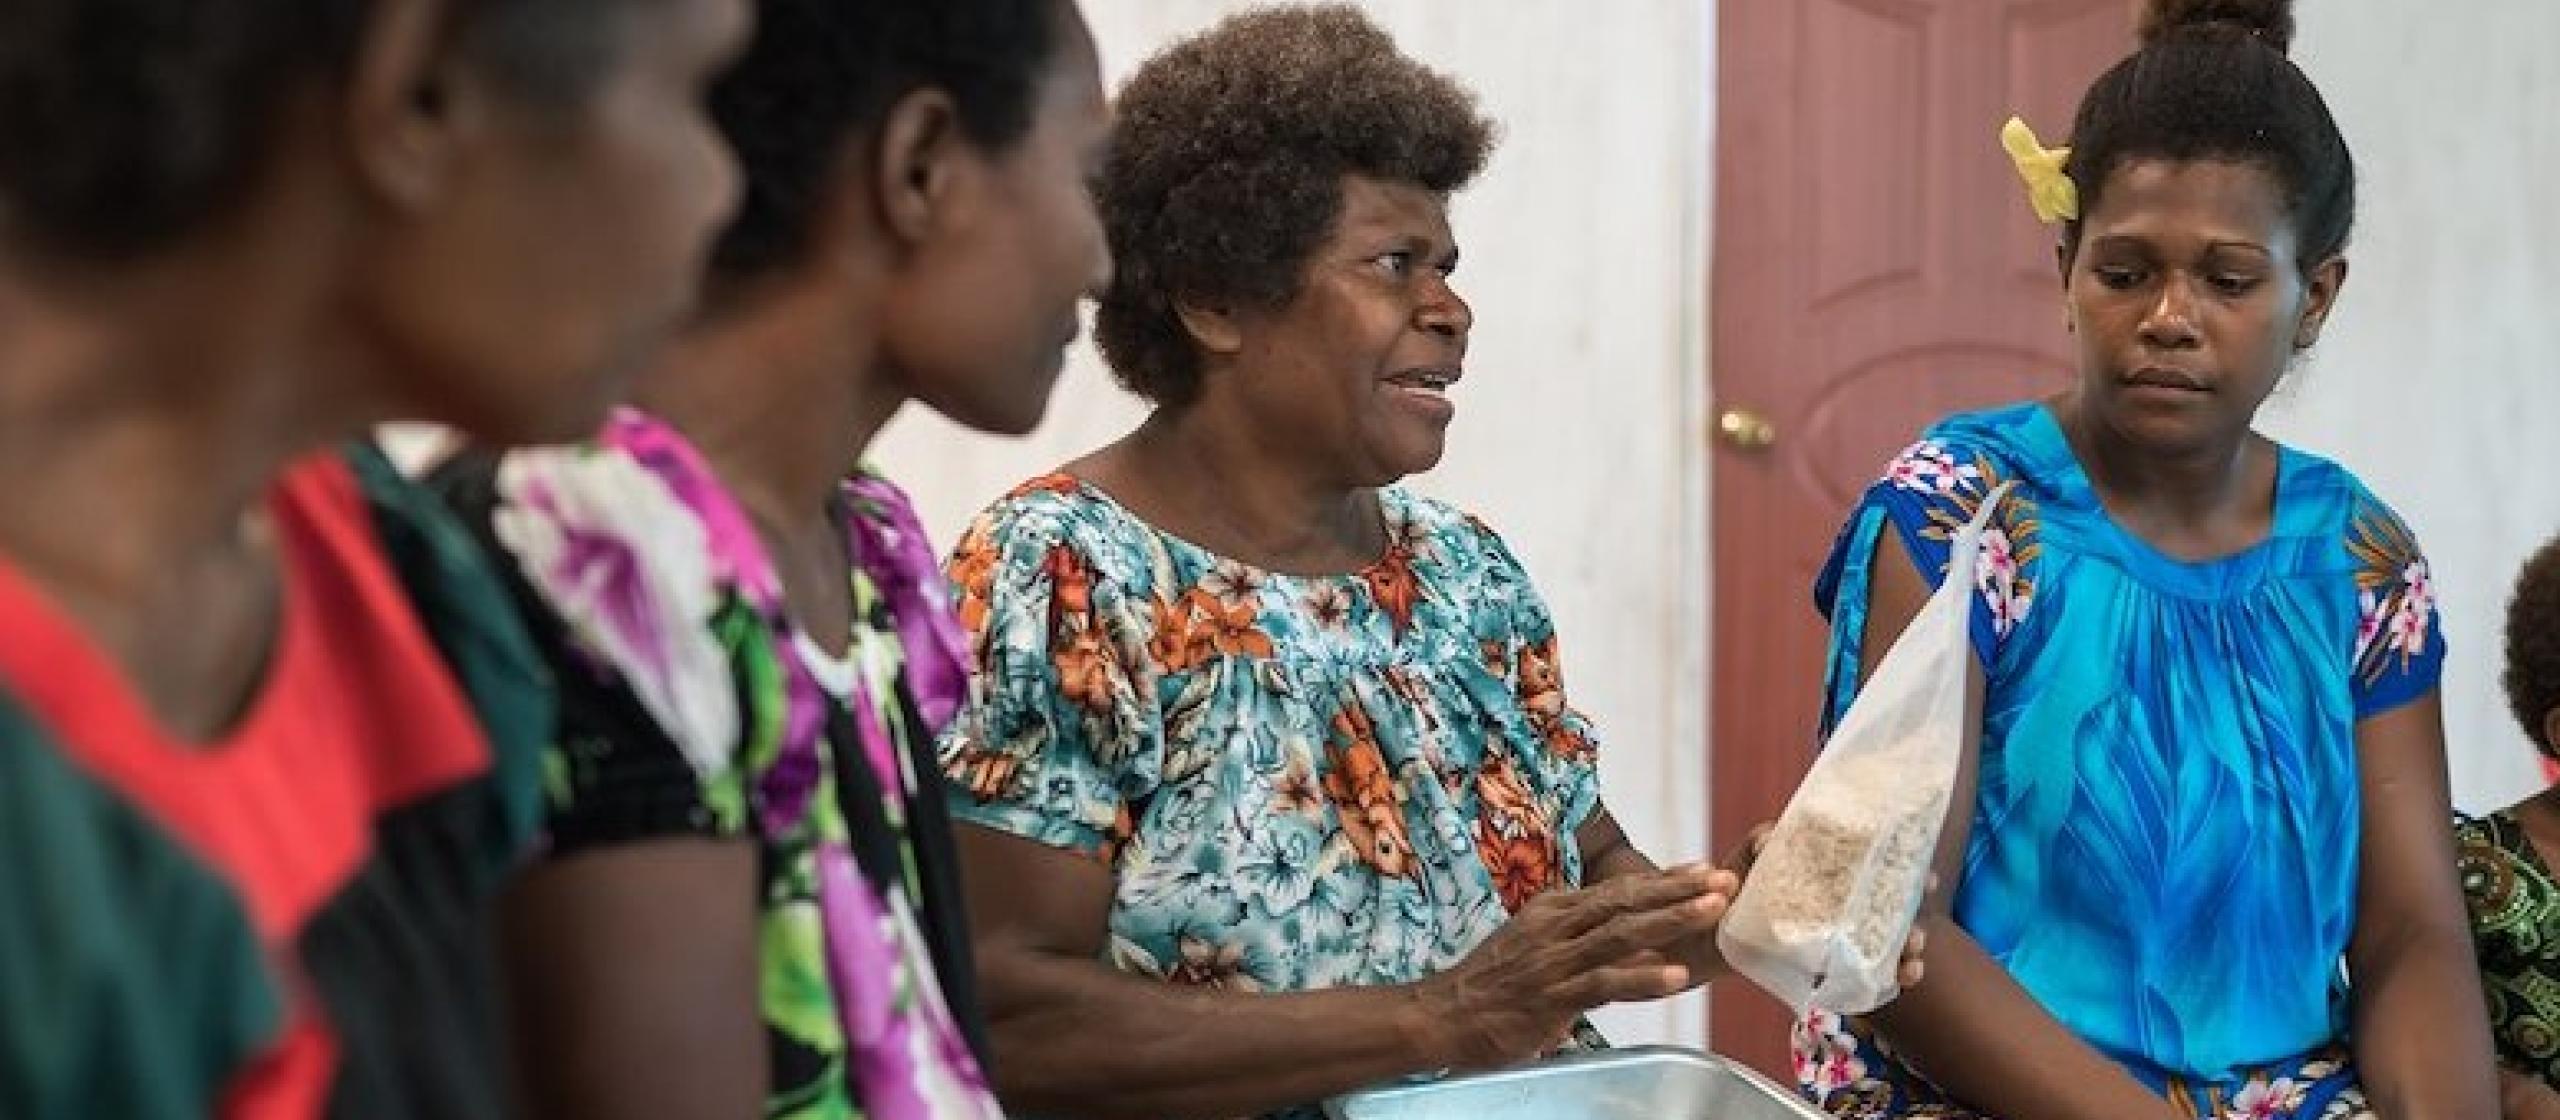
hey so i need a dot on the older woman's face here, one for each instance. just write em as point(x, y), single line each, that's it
point(1358, 369)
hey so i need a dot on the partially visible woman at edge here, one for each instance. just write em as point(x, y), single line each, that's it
point(266, 728)
point(750, 904)
point(2507, 860)
point(2211, 764)
point(1268, 784)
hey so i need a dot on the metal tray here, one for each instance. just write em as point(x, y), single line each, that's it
point(1636, 1083)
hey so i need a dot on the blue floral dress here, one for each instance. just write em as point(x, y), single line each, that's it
point(2163, 845)
point(1298, 782)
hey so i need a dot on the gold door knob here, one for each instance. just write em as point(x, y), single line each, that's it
point(1745, 430)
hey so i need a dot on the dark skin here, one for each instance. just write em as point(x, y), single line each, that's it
point(637, 968)
point(2523, 1096)
point(2188, 298)
point(1304, 412)
point(351, 287)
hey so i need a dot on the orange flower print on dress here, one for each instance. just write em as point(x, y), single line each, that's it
point(1071, 588)
point(1541, 681)
point(1076, 649)
point(1234, 625)
point(1366, 797)
point(1392, 583)
point(1542, 697)
point(972, 571)
point(1565, 740)
point(1512, 835)
point(989, 776)
point(1084, 670)
point(1196, 626)
point(1178, 642)
point(1523, 867)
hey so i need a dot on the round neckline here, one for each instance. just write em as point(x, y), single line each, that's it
point(286, 658)
point(1390, 509)
point(828, 670)
point(2288, 463)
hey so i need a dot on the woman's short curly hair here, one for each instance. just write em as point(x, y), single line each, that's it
point(2533, 645)
point(1224, 173)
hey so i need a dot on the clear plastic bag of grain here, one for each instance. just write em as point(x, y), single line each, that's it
point(1851, 864)
point(1822, 919)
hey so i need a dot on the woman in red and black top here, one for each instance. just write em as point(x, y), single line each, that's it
point(265, 728)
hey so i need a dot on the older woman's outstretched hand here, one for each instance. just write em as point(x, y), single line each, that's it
point(1567, 952)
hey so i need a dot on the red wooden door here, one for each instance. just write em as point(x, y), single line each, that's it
point(1875, 267)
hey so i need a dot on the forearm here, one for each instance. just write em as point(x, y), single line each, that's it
point(630, 980)
point(1977, 1034)
point(1075, 1040)
point(2421, 1031)
point(2526, 1097)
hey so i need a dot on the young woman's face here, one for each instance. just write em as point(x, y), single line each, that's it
point(983, 311)
point(2189, 300)
point(570, 236)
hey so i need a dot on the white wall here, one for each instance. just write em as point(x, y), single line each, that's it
point(1585, 263)
point(2439, 379)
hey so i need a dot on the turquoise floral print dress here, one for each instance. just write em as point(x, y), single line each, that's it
point(2164, 835)
point(1299, 782)
point(690, 705)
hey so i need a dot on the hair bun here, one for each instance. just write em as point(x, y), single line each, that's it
point(2269, 21)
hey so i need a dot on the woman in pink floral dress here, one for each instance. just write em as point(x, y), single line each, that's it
point(751, 906)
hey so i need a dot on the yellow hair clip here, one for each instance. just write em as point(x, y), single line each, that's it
point(2052, 193)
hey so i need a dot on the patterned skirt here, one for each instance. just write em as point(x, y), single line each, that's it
point(1852, 1073)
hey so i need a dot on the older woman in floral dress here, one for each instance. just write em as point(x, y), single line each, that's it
point(1268, 787)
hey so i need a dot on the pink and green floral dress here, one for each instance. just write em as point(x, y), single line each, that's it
point(692, 706)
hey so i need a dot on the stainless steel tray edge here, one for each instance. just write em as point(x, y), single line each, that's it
point(1631, 1083)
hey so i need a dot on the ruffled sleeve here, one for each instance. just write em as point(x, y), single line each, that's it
point(1562, 773)
point(647, 640)
point(1056, 741)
